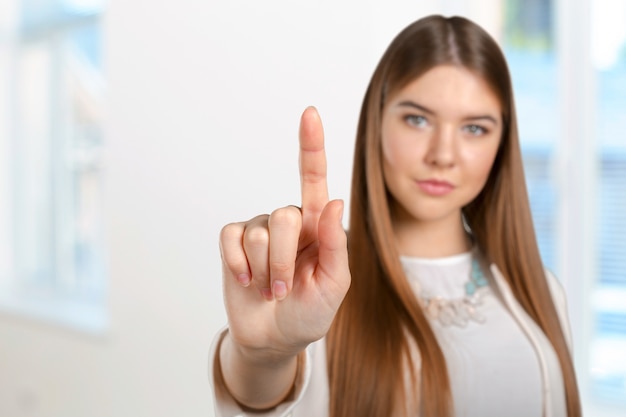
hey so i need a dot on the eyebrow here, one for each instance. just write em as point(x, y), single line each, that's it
point(408, 103)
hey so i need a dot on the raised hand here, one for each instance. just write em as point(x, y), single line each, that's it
point(286, 274)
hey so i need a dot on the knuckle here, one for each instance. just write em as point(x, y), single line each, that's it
point(231, 249)
point(286, 216)
point(257, 236)
point(315, 176)
point(230, 232)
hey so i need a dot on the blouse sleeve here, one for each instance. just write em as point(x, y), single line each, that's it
point(560, 302)
point(225, 404)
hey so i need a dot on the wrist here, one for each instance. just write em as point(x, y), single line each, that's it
point(258, 379)
point(267, 355)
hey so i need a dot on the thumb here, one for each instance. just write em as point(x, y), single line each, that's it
point(333, 250)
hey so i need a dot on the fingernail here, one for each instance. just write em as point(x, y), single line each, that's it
point(244, 279)
point(280, 290)
point(267, 294)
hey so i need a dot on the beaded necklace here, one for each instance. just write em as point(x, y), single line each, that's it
point(459, 311)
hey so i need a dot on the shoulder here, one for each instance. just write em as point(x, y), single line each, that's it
point(556, 290)
point(557, 294)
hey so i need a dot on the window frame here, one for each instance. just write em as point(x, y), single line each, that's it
point(54, 302)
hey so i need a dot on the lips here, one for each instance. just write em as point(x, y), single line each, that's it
point(435, 187)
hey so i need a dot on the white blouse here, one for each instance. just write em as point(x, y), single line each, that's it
point(493, 367)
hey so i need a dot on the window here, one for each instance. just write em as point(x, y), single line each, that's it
point(608, 346)
point(574, 146)
point(51, 201)
point(529, 48)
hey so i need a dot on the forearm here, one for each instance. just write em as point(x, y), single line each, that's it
point(254, 382)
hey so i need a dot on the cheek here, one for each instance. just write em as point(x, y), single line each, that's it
point(479, 163)
point(395, 162)
point(388, 144)
point(399, 149)
point(390, 165)
point(398, 159)
point(390, 154)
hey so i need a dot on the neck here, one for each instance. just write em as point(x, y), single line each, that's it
point(431, 239)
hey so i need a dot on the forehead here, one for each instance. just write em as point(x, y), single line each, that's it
point(448, 88)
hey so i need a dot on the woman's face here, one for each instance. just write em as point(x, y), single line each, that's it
point(440, 136)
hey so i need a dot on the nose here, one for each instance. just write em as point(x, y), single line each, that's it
point(442, 147)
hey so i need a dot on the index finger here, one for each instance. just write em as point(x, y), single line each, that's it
point(312, 163)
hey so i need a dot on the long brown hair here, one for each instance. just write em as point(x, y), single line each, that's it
point(371, 371)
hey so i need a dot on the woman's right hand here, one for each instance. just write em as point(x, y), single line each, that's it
point(285, 274)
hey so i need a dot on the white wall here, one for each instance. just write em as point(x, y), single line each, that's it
point(204, 102)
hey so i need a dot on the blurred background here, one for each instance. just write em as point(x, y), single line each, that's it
point(132, 131)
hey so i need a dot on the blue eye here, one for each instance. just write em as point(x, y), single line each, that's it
point(416, 120)
point(475, 130)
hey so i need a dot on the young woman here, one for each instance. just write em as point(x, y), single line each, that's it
point(437, 304)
